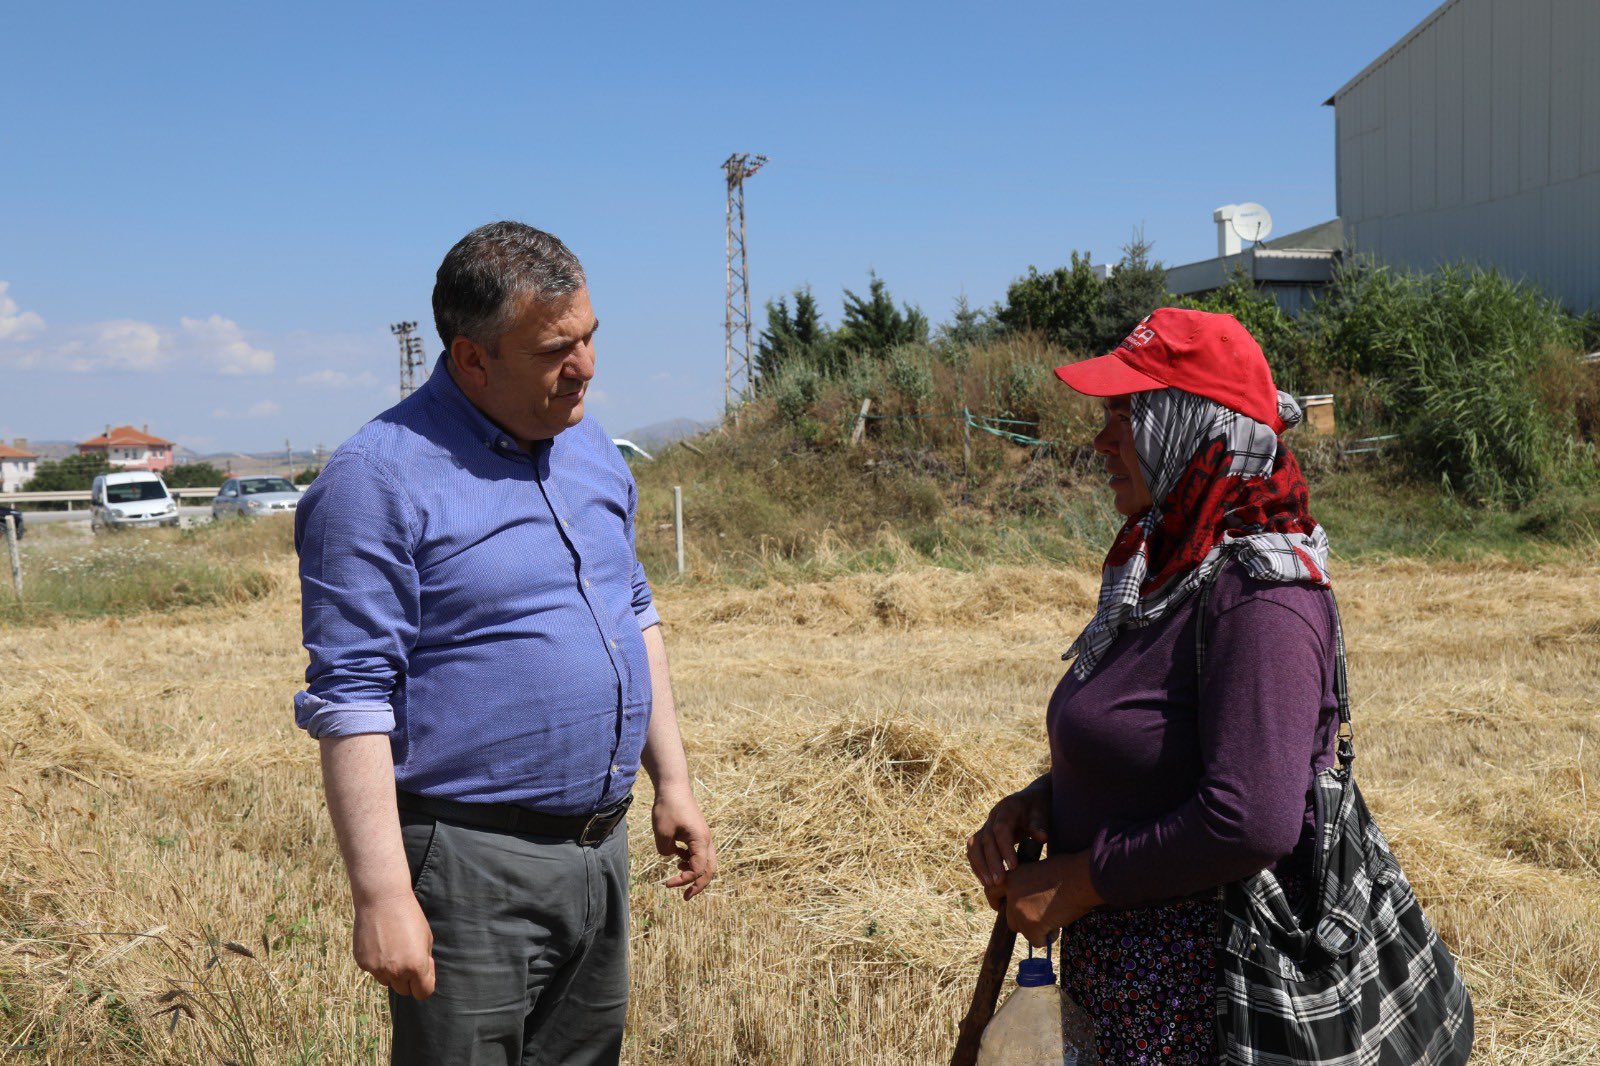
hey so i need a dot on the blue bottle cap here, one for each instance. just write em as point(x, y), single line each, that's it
point(1034, 972)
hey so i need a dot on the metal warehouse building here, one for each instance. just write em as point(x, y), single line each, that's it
point(1477, 137)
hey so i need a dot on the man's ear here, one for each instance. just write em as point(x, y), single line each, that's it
point(469, 358)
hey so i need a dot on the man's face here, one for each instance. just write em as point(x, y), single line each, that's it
point(534, 384)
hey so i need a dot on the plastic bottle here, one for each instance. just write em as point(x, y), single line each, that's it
point(1038, 1025)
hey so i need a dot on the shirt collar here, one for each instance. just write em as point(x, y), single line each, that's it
point(442, 388)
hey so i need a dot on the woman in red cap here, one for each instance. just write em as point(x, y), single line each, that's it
point(1166, 782)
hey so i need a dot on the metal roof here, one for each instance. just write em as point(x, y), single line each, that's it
point(1324, 236)
point(1401, 43)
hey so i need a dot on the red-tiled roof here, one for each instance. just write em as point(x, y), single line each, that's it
point(123, 435)
point(8, 452)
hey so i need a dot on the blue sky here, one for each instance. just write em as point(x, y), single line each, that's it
point(209, 214)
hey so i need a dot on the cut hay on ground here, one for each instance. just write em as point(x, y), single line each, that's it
point(170, 890)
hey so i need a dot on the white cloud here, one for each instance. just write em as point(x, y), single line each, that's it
point(661, 375)
point(221, 342)
point(16, 324)
point(338, 379)
point(126, 344)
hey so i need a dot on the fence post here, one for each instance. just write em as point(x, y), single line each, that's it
point(677, 523)
point(966, 446)
point(16, 558)
point(860, 427)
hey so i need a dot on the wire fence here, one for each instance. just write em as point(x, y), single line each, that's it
point(992, 425)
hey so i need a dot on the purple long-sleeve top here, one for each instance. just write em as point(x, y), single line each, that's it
point(1177, 783)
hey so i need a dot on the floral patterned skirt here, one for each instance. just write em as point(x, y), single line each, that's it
point(1147, 977)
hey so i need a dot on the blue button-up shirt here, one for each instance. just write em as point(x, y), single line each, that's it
point(480, 604)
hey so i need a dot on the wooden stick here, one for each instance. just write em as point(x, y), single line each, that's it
point(860, 427)
point(991, 976)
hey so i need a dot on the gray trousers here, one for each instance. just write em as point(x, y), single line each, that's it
point(530, 948)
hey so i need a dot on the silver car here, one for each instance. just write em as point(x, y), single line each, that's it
point(252, 496)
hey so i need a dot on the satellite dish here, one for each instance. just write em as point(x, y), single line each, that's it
point(1251, 222)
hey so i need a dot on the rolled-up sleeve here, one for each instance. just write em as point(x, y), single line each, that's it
point(359, 597)
point(644, 605)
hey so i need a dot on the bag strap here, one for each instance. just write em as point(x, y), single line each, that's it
point(1346, 751)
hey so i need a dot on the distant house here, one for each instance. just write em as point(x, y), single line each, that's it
point(17, 465)
point(130, 449)
point(1290, 268)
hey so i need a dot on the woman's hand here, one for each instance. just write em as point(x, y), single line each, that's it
point(992, 850)
point(1041, 897)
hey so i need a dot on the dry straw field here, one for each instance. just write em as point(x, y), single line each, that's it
point(170, 890)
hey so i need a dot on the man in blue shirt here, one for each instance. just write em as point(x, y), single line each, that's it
point(488, 675)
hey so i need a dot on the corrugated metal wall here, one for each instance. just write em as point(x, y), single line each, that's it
point(1479, 139)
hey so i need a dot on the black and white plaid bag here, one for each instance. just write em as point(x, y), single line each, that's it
point(1357, 977)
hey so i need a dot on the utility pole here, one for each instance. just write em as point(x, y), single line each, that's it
point(412, 369)
point(738, 376)
point(288, 458)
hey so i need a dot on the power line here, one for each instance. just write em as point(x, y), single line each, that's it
point(738, 375)
point(413, 370)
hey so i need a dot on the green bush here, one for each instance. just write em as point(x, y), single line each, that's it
point(1285, 345)
point(1460, 359)
point(1062, 306)
point(863, 380)
point(794, 391)
point(193, 476)
point(74, 473)
point(909, 373)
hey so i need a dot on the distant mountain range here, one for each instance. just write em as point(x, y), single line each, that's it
point(660, 434)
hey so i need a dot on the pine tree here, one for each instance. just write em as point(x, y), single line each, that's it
point(1136, 287)
point(791, 338)
point(874, 325)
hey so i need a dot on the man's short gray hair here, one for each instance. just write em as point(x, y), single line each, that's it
point(482, 279)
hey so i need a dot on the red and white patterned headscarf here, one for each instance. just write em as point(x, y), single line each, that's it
point(1224, 485)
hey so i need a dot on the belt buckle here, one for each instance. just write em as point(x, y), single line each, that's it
point(601, 823)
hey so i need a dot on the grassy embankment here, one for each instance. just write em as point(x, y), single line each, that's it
point(783, 493)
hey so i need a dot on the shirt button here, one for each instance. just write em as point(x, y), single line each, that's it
point(615, 768)
point(613, 645)
point(586, 583)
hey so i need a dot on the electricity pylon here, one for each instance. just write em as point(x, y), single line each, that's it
point(413, 370)
point(738, 370)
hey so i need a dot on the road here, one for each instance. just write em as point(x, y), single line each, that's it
point(191, 516)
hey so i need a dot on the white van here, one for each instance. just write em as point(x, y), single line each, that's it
point(130, 500)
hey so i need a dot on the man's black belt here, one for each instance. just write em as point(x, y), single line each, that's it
point(587, 829)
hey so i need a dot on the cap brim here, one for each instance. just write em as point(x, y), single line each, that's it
point(1106, 375)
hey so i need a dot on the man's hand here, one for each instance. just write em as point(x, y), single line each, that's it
point(992, 850)
point(681, 831)
point(394, 944)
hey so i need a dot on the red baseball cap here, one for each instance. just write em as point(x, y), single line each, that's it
point(1208, 354)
